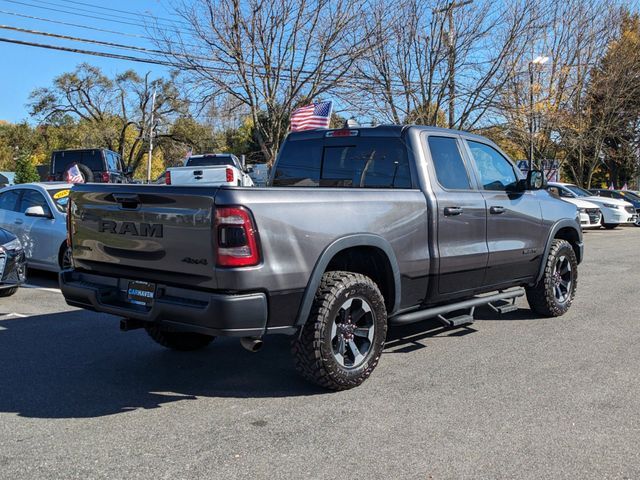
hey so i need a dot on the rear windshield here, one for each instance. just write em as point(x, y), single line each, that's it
point(91, 158)
point(208, 161)
point(60, 197)
point(354, 162)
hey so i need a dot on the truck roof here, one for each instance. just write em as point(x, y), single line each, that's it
point(384, 131)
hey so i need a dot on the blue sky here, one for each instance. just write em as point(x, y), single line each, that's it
point(26, 68)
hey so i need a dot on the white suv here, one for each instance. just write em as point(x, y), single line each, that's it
point(614, 211)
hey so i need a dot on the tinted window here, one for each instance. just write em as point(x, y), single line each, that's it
point(9, 200)
point(496, 171)
point(448, 163)
point(112, 161)
point(91, 158)
point(359, 162)
point(31, 198)
point(209, 160)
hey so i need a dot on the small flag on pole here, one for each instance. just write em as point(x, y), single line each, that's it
point(316, 115)
point(611, 187)
point(624, 187)
point(73, 175)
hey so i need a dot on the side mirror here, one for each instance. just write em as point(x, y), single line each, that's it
point(36, 211)
point(535, 180)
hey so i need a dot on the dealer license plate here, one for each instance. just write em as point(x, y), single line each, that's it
point(141, 293)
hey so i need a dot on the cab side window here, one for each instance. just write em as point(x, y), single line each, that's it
point(554, 191)
point(448, 164)
point(9, 200)
point(496, 171)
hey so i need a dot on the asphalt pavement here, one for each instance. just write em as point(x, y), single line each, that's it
point(513, 396)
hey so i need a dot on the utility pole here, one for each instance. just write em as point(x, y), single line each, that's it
point(151, 128)
point(451, 43)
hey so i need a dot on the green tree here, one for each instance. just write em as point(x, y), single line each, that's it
point(25, 169)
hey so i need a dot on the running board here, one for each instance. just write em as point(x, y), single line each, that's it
point(440, 311)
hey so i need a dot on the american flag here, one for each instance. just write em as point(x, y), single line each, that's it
point(73, 175)
point(316, 115)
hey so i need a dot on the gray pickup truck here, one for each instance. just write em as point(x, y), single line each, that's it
point(360, 228)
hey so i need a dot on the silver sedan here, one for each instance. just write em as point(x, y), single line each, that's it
point(36, 213)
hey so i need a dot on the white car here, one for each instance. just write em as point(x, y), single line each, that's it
point(614, 211)
point(36, 213)
point(210, 169)
point(590, 216)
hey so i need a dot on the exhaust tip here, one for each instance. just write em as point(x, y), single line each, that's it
point(252, 344)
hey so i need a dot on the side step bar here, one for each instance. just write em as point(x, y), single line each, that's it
point(440, 311)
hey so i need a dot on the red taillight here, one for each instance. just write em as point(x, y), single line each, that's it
point(167, 178)
point(236, 238)
point(105, 177)
point(229, 174)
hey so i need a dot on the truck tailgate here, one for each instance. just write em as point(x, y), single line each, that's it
point(145, 231)
point(207, 175)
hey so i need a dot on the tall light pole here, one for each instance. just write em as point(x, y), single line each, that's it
point(536, 62)
point(151, 128)
point(451, 43)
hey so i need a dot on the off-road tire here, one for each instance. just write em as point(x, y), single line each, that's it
point(541, 297)
point(183, 341)
point(312, 349)
point(7, 292)
point(610, 226)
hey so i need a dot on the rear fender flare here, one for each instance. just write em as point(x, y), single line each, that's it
point(358, 240)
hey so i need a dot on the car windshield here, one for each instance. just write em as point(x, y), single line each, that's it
point(208, 161)
point(60, 197)
point(579, 192)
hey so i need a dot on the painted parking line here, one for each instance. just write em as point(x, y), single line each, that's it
point(43, 289)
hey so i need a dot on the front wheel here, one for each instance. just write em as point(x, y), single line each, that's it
point(553, 294)
point(183, 341)
point(7, 292)
point(341, 342)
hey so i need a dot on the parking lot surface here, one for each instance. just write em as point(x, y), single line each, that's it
point(513, 396)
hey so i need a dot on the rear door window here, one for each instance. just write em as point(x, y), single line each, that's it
point(448, 163)
point(358, 162)
point(9, 200)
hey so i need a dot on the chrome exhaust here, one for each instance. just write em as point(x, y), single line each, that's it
point(252, 344)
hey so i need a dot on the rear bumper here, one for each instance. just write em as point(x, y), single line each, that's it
point(176, 308)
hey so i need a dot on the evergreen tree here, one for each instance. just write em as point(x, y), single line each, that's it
point(26, 171)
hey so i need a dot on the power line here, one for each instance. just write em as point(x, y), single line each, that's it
point(120, 22)
point(115, 10)
point(76, 25)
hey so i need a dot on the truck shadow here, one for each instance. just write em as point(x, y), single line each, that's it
point(78, 364)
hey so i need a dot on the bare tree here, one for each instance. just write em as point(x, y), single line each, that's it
point(269, 56)
point(407, 67)
point(115, 111)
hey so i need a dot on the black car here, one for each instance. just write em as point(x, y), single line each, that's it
point(94, 165)
point(625, 195)
point(13, 263)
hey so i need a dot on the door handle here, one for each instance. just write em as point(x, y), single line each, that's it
point(496, 210)
point(19, 221)
point(452, 211)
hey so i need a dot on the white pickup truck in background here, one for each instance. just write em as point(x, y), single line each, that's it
point(210, 169)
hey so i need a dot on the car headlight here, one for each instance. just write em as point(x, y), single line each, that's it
point(12, 245)
point(610, 205)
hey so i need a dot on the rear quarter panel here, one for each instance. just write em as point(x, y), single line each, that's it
point(296, 225)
